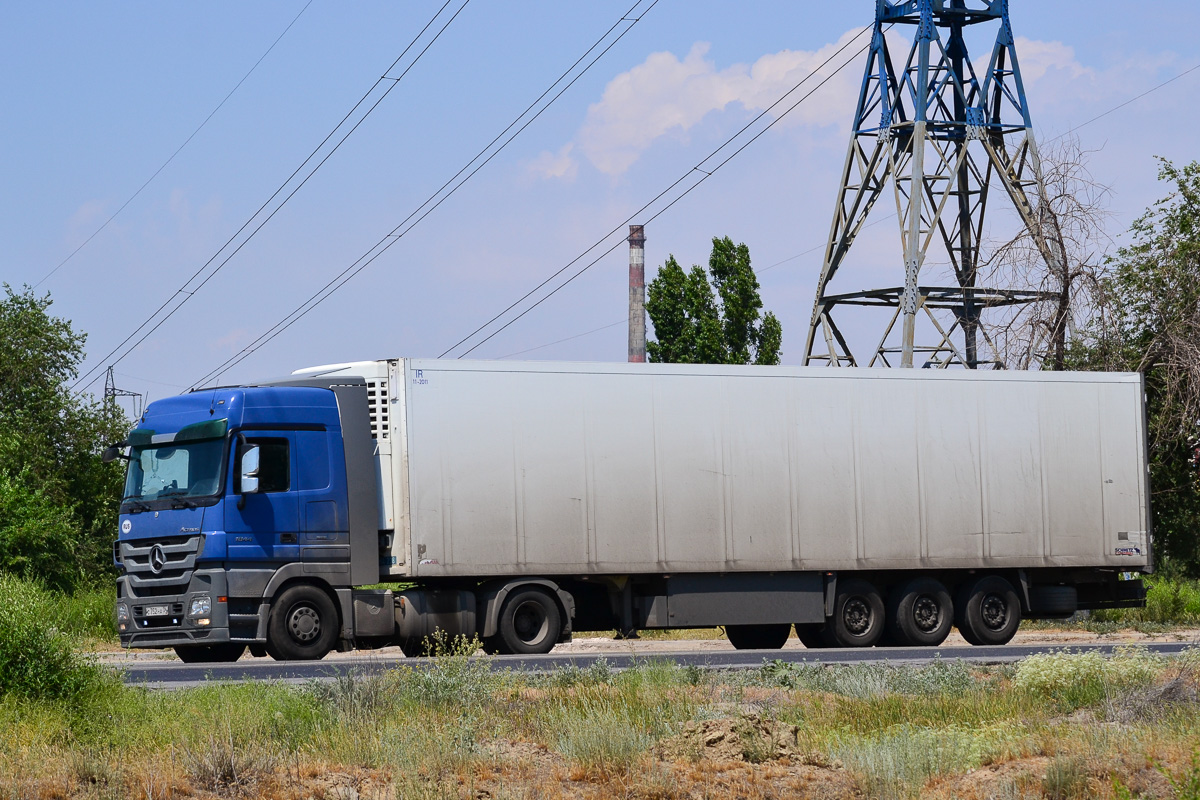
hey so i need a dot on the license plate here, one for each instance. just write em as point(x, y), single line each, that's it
point(157, 611)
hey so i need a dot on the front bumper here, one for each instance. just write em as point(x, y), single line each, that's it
point(145, 628)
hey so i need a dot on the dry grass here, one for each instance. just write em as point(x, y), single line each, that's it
point(1060, 729)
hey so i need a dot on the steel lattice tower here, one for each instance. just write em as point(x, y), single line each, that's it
point(943, 136)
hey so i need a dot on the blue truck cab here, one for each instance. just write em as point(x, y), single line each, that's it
point(248, 515)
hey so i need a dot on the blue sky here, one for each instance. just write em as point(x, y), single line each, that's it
point(97, 96)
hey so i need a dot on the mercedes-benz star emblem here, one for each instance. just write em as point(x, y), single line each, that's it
point(158, 559)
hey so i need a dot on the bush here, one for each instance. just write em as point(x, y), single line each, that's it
point(36, 659)
point(38, 539)
point(1169, 601)
point(1084, 678)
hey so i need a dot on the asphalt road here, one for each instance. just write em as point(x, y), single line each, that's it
point(169, 674)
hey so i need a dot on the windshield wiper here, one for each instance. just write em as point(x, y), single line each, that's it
point(137, 505)
point(176, 502)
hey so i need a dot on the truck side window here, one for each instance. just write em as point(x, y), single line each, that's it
point(274, 460)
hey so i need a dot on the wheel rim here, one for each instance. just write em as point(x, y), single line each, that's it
point(530, 621)
point(304, 624)
point(927, 614)
point(857, 616)
point(994, 612)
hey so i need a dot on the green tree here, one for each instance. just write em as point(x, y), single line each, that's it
point(1150, 323)
point(50, 444)
point(713, 317)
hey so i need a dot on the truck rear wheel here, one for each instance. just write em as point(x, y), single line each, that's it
point(210, 653)
point(758, 637)
point(529, 624)
point(858, 615)
point(920, 614)
point(303, 625)
point(989, 611)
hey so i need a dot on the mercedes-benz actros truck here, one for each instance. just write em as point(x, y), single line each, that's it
point(373, 503)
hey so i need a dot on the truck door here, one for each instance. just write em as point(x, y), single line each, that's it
point(324, 522)
point(267, 527)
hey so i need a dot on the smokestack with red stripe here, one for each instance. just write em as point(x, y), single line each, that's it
point(637, 295)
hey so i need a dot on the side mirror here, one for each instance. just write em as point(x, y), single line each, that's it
point(113, 452)
point(248, 480)
point(250, 470)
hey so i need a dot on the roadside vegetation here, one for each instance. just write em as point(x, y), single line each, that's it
point(1056, 726)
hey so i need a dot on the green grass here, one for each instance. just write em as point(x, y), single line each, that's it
point(444, 731)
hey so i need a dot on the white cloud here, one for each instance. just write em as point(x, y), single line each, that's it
point(665, 95)
point(1037, 58)
point(556, 165)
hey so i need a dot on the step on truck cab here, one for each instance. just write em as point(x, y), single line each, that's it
point(373, 503)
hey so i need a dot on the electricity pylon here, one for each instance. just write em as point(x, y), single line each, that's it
point(942, 135)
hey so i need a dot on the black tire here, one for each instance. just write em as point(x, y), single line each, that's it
point(990, 611)
point(920, 614)
point(758, 637)
point(811, 635)
point(303, 625)
point(858, 615)
point(210, 653)
point(530, 623)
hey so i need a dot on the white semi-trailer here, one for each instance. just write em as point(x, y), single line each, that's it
point(521, 501)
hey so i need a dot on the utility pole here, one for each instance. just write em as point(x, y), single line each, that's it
point(111, 393)
point(637, 295)
point(943, 133)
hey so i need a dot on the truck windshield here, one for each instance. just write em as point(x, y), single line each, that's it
point(187, 469)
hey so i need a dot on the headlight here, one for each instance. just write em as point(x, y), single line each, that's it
point(201, 605)
point(122, 617)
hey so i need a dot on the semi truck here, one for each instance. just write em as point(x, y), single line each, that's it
point(375, 503)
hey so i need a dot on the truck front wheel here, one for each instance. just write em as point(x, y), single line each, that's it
point(529, 623)
point(988, 611)
point(303, 625)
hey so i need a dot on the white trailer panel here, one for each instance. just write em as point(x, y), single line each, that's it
point(553, 468)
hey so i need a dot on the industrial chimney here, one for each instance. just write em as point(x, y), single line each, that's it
point(637, 295)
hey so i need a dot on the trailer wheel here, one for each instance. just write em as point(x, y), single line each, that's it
point(303, 625)
point(989, 611)
point(758, 637)
point(529, 623)
point(811, 635)
point(858, 616)
point(210, 653)
point(920, 614)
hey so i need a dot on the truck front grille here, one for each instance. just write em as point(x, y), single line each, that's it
point(158, 567)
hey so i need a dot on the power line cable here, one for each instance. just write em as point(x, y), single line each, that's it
point(440, 195)
point(186, 295)
point(790, 258)
point(705, 175)
point(163, 166)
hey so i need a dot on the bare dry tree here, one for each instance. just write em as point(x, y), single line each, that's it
point(1071, 214)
